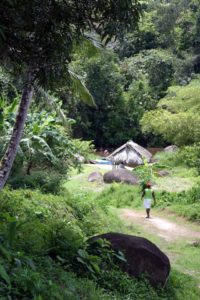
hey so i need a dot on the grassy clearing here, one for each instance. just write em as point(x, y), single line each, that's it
point(184, 256)
point(188, 258)
point(78, 182)
point(173, 183)
point(120, 195)
point(179, 179)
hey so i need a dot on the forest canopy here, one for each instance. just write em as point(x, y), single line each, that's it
point(143, 65)
point(177, 115)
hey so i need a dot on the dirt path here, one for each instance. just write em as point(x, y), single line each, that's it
point(161, 227)
point(177, 238)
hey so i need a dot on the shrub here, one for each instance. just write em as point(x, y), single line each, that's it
point(120, 195)
point(44, 279)
point(97, 258)
point(46, 182)
point(44, 222)
point(176, 118)
point(85, 148)
point(49, 223)
point(186, 203)
point(189, 156)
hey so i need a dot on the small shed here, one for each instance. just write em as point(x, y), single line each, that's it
point(130, 154)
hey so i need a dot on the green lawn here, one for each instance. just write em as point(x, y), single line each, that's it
point(179, 179)
point(78, 182)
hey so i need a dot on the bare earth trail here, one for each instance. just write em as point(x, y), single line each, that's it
point(176, 238)
point(161, 227)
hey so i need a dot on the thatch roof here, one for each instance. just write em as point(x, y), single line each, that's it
point(131, 154)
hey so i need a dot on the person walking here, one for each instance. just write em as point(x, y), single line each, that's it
point(148, 196)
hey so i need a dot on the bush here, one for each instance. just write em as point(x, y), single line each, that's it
point(127, 287)
point(176, 118)
point(120, 195)
point(85, 148)
point(48, 223)
point(44, 279)
point(43, 222)
point(46, 182)
point(40, 236)
point(189, 156)
point(186, 203)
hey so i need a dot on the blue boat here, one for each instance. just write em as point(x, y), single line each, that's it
point(101, 162)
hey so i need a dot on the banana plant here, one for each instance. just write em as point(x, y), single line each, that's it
point(7, 117)
point(40, 139)
point(42, 136)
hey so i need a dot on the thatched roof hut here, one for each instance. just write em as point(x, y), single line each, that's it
point(130, 154)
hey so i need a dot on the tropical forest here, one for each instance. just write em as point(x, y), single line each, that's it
point(99, 150)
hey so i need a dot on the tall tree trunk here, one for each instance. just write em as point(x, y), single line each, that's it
point(11, 151)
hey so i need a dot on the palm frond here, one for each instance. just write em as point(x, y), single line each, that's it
point(81, 90)
point(93, 46)
point(52, 102)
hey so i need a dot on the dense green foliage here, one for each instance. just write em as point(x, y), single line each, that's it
point(130, 78)
point(42, 33)
point(177, 115)
point(46, 151)
point(145, 86)
point(189, 156)
point(186, 204)
point(43, 247)
point(104, 82)
point(42, 36)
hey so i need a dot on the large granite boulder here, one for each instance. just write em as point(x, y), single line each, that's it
point(120, 175)
point(142, 256)
point(95, 176)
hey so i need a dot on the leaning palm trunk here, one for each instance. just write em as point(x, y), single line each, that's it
point(8, 159)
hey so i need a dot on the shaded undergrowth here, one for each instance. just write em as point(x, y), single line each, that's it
point(42, 237)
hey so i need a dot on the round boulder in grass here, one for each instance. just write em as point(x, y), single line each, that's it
point(163, 173)
point(142, 256)
point(120, 175)
point(95, 176)
point(171, 148)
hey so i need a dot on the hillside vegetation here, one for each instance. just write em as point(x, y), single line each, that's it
point(78, 78)
point(44, 249)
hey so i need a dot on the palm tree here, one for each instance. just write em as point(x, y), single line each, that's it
point(40, 45)
point(78, 87)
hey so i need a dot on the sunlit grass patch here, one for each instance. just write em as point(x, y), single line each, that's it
point(78, 181)
point(174, 184)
